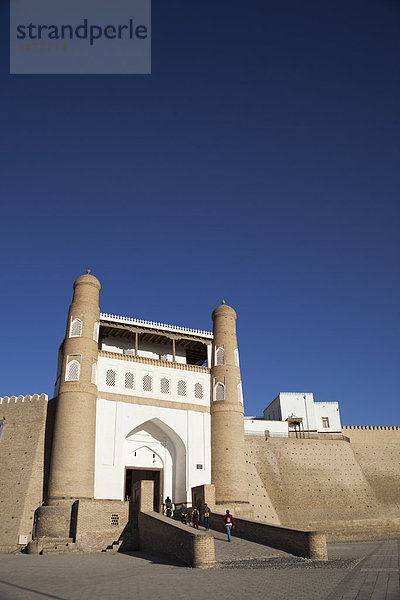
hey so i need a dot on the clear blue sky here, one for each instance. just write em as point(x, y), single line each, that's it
point(258, 163)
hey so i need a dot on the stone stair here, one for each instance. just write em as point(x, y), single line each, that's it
point(114, 547)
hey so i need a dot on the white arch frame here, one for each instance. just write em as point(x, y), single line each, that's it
point(219, 385)
point(72, 363)
point(76, 324)
point(174, 482)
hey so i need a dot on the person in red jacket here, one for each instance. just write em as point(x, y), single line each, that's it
point(229, 524)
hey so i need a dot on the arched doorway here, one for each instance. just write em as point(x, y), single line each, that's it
point(154, 451)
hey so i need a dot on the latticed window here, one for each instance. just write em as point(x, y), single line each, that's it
point(147, 383)
point(198, 391)
point(73, 371)
point(76, 328)
point(96, 328)
point(114, 519)
point(236, 357)
point(220, 356)
point(219, 391)
point(111, 378)
point(164, 385)
point(181, 388)
point(94, 372)
point(129, 380)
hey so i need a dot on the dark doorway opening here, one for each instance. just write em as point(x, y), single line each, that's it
point(134, 475)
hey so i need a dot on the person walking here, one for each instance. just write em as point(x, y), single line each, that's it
point(184, 514)
point(168, 507)
point(206, 515)
point(195, 517)
point(229, 524)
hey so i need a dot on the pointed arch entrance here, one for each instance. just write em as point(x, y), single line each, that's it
point(155, 451)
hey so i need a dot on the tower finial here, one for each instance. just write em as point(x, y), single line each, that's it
point(223, 301)
point(88, 271)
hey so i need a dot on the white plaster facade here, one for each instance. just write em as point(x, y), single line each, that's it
point(156, 373)
point(258, 426)
point(322, 417)
point(137, 424)
point(155, 415)
point(136, 436)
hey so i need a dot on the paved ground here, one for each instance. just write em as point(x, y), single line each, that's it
point(363, 571)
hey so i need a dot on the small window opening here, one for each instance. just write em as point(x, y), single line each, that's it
point(181, 388)
point(164, 385)
point(198, 391)
point(129, 380)
point(76, 328)
point(115, 519)
point(111, 378)
point(220, 356)
point(147, 383)
point(219, 391)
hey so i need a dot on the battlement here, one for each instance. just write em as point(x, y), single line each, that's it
point(21, 399)
point(370, 428)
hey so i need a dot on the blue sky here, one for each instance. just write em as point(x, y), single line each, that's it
point(259, 163)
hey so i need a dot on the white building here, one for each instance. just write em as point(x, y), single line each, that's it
point(300, 410)
point(165, 369)
point(147, 392)
point(156, 376)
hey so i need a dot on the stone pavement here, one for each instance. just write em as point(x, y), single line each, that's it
point(363, 571)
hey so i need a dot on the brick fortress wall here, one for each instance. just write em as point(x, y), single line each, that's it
point(314, 484)
point(21, 466)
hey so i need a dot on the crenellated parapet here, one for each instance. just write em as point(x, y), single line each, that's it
point(369, 428)
point(376, 435)
point(24, 399)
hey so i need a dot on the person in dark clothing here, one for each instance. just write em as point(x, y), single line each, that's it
point(195, 517)
point(184, 514)
point(206, 516)
point(168, 507)
point(229, 524)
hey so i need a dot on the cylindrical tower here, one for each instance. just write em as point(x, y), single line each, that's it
point(72, 460)
point(228, 463)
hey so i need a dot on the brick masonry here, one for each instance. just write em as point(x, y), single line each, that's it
point(100, 523)
point(349, 490)
point(312, 484)
point(310, 544)
point(161, 535)
point(21, 466)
